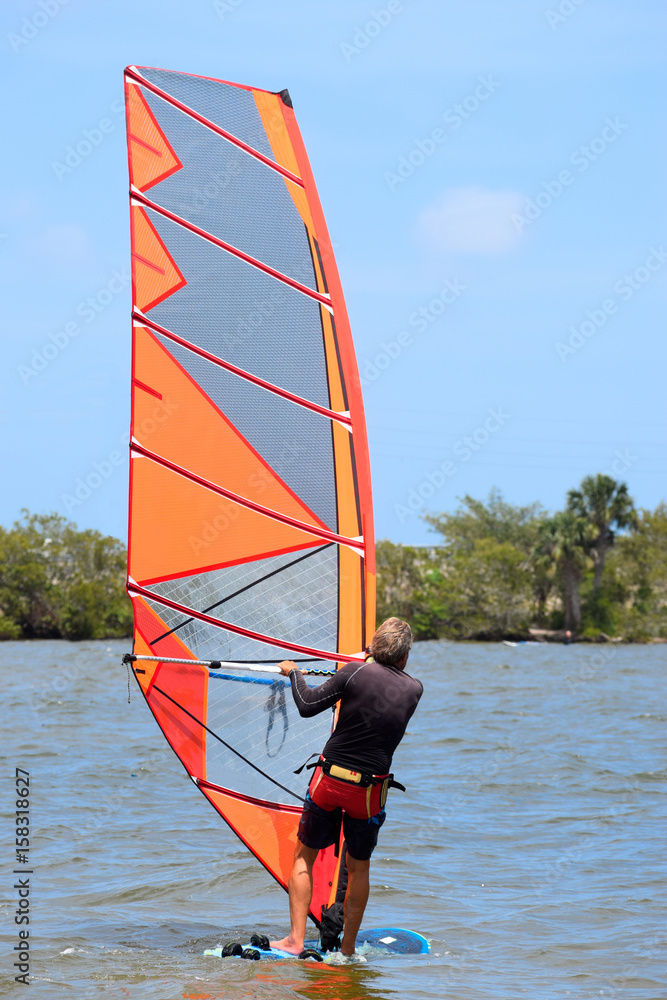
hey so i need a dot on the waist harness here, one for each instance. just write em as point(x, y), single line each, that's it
point(360, 778)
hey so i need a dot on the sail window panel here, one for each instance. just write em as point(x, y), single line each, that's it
point(295, 442)
point(231, 195)
point(229, 107)
point(257, 716)
point(243, 315)
point(299, 603)
point(213, 642)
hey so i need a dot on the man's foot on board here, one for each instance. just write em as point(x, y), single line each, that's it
point(288, 944)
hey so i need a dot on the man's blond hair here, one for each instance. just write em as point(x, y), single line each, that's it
point(392, 640)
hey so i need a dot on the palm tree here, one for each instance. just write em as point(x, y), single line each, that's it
point(604, 503)
point(562, 546)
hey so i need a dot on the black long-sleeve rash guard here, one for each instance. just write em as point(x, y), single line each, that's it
point(376, 704)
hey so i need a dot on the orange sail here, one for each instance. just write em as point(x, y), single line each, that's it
point(251, 529)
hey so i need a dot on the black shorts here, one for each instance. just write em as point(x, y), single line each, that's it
point(319, 828)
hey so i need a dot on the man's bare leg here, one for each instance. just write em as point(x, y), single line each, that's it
point(356, 898)
point(300, 895)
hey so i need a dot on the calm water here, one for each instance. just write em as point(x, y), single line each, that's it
point(529, 846)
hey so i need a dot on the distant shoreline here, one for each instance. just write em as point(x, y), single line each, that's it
point(510, 638)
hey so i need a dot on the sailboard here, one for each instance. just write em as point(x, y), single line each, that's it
point(376, 943)
point(250, 513)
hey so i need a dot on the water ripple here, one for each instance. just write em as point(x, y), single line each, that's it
point(528, 847)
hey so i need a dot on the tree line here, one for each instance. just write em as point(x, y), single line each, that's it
point(598, 567)
point(57, 582)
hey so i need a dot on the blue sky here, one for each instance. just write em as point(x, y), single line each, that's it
point(491, 174)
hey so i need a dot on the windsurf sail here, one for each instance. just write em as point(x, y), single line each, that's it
point(251, 533)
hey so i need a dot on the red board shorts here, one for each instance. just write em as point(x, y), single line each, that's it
point(329, 802)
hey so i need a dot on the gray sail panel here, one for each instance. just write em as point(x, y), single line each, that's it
point(231, 108)
point(295, 442)
point(243, 315)
point(231, 195)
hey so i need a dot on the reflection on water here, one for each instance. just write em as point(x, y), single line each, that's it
point(310, 981)
point(528, 847)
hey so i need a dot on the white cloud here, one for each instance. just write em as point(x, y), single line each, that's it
point(471, 220)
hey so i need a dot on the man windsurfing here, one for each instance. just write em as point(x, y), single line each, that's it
point(350, 782)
